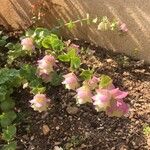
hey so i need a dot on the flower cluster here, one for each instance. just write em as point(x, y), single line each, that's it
point(92, 83)
point(27, 44)
point(83, 95)
point(122, 27)
point(71, 81)
point(46, 67)
point(104, 98)
point(40, 102)
point(109, 99)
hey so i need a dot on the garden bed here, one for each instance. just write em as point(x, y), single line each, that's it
point(74, 127)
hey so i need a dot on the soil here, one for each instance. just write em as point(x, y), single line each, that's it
point(75, 127)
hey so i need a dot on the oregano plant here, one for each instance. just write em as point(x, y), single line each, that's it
point(9, 78)
point(56, 64)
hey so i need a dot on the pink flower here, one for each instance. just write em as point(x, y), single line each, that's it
point(123, 27)
point(110, 87)
point(46, 64)
point(39, 102)
point(71, 81)
point(118, 109)
point(102, 99)
point(83, 95)
point(117, 94)
point(46, 77)
point(74, 46)
point(27, 44)
point(93, 83)
point(110, 100)
point(71, 45)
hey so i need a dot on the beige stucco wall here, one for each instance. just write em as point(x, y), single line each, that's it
point(135, 13)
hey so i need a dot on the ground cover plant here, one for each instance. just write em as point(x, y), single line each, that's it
point(40, 62)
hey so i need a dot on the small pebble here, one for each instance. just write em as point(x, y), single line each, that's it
point(72, 110)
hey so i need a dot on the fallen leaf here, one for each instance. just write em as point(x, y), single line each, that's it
point(72, 110)
point(45, 129)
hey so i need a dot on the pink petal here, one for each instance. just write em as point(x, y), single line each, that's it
point(118, 94)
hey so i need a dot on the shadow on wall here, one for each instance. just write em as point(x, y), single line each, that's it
point(135, 16)
point(15, 14)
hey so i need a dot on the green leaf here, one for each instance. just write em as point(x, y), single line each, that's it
point(3, 92)
point(11, 146)
point(80, 20)
point(70, 25)
point(146, 129)
point(2, 42)
point(113, 25)
point(5, 37)
point(40, 33)
point(35, 82)
point(95, 20)
point(9, 45)
point(28, 72)
point(67, 57)
point(52, 41)
point(2, 96)
point(56, 79)
point(9, 133)
point(15, 52)
point(10, 77)
point(7, 118)
point(5, 121)
point(46, 43)
point(29, 33)
point(86, 74)
point(75, 62)
point(37, 90)
point(14, 78)
point(72, 53)
point(7, 105)
point(64, 58)
point(88, 20)
point(3, 75)
point(105, 81)
point(60, 22)
point(12, 115)
point(36, 86)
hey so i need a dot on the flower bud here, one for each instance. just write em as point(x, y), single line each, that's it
point(27, 44)
point(83, 95)
point(111, 101)
point(122, 27)
point(46, 77)
point(39, 102)
point(93, 83)
point(71, 81)
point(118, 109)
point(101, 99)
point(45, 67)
point(117, 94)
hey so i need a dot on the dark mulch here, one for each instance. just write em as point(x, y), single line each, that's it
point(82, 128)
